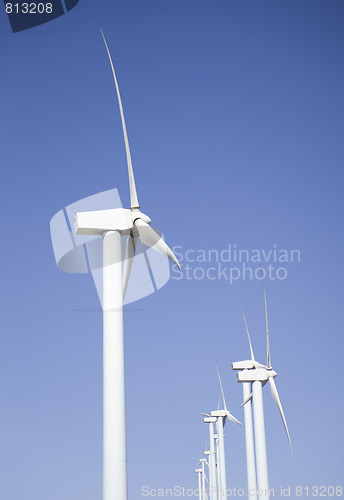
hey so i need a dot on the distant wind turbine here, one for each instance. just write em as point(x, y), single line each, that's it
point(249, 437)
point(203, 463)
point(251, 372)
point(212, 468)
point(202, 478)
point(199, 478)
point(221, 416)
point(112, 225)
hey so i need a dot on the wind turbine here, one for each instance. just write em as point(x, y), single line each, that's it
point(203, 462)
point(112, 225)
point(217, 464)
point(199, 478)
point(249, 438)
point(212, 468)
point(221, 416)
point(207, 462)
point(251, 372)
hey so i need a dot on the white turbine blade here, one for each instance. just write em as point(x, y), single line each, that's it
point(150, 238)
point(133, 195)
point(246, 400)
point(268, 357)
point(277, 400)
point(233, 419)
point(248, 334)
point(128, 260)
point(205, 414)
point(223, 396)
point(218, 403)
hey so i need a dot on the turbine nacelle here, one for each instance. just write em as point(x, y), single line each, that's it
point(247, 365)
point(219, 413)
point(116, 219)
point(209, 420)
point(257, 374)
point(97, 222)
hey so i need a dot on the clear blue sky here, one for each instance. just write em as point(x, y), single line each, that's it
point(235, 118)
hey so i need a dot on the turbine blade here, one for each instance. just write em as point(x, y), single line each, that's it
point(248, 334)
point(218, 403)
point(133, 195)
point(277, 400)
point(223, 396)
point(233, 419)
point(128, 262)
point(150, 238)
point(205, 414)
point(268, 357)
point(246, 400)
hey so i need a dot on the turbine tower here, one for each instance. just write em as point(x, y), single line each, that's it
point(217, 462)
point(112, 225)
point(212, 468)
point(199, 478)
point(207, 462)
point(251, 372)
point(249, 437)
point(221, 416)
point(203, 462)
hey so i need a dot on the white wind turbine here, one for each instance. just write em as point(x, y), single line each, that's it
point(251, 372)
point(199, 479)
point(112, 225)
point(249, 438)
point(206, 463)
point(212, 467)
point(203, 463)
point(221, 416)
point(217, 463)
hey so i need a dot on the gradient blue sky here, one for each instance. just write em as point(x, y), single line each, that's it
point(235, 119)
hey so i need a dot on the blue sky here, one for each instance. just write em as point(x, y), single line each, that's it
point(235, 120)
